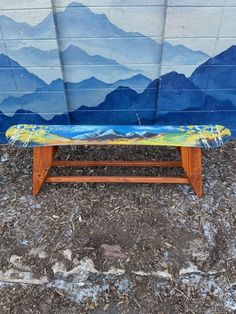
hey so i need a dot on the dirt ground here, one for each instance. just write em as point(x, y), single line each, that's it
point(118, 248)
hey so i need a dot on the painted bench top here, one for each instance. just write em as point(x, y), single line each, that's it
point(206, 136)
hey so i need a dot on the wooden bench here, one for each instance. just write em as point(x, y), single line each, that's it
point(189, 141)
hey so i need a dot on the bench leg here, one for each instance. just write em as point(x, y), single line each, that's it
point(43, 157)
point(192, 164)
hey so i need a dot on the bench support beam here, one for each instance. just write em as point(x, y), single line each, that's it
point(190, 162)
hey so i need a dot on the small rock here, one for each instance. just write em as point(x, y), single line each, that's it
point(55, 216)
point(76, 261)
point(92, 306)
point(105, 308)
point(67, 254)
point(112, 251)
point(5, 158)
point(16, 261)
point(38, 251)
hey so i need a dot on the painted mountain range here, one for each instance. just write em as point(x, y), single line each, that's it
point(15, 79)
point(174, 91)
point(77, 22)
point(96, 73)
point(185, 102)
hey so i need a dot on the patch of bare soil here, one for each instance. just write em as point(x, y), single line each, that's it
point(118, 248)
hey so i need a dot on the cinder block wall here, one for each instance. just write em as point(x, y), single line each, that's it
point(117, 62)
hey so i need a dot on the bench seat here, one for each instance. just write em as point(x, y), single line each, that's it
point(204, 136)
point(188, 139)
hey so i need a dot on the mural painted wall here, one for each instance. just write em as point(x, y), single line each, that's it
point(104, 62)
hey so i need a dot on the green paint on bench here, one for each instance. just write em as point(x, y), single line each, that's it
point(209, 136)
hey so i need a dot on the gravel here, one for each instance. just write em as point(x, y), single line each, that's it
point(170, 251)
